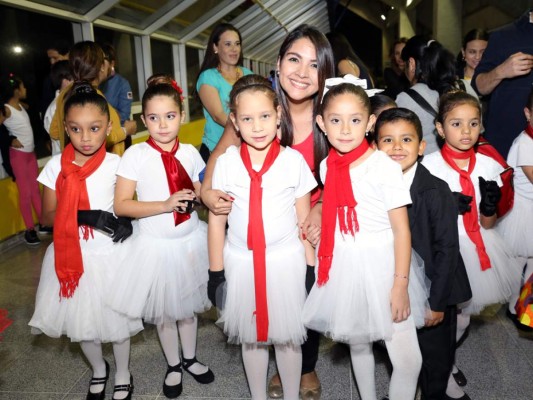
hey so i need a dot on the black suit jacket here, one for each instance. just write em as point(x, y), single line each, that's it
point(434, 235)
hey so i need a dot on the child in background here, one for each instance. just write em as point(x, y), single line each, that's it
point(378, 104)
point(21, 154)
point(165, 278)
point(82, 260)
point(368, 287)
point(263, 255)
point(61, 77)
point(516, 227)
point(492, 271)
point(434, 236)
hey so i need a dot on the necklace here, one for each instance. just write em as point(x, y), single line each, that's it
point(230, 78)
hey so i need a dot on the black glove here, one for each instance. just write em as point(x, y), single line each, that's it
point(463, 202)
point(190, 206)
point(216, 278)
point(490, 196)
point(101, 220)
point(124, 229)
point(309, 278)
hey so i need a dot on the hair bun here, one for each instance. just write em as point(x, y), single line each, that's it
point(82, 87)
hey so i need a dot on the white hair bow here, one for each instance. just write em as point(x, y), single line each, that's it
point(349, 78)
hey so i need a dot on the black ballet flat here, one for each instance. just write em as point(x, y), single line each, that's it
point(459, 377)
point(174, 391)
point(124, 388)
point(206, 377)
point(98, 381)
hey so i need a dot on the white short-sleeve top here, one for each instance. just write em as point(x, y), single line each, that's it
point(143, 164)
point(378, 187)
point(100, 188)
point(287, 179)
point(521, 155)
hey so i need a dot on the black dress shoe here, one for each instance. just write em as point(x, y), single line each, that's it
point(98, 381)
point(206, 377)
point(125, 388)
point(464, 397)
point(460, 378)
point(175, 390)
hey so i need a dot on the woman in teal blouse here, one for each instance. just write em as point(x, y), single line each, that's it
point(221, 68)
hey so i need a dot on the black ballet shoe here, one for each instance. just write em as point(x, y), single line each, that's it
point(460, 378)
point(174, 391)
point(206, 377)
point(98, 381)
point(124, 388)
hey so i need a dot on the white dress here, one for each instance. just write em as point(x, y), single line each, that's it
point(516, 227)
point(354, 305)
point(85, 316)
point(166, 272)
point(494, 285)
point(287, 179)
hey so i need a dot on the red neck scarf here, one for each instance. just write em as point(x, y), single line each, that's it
point(338, 202)
point(71, 193)
point(470, 218)
point(529, 130)
point(177, 177)
point(256, 235)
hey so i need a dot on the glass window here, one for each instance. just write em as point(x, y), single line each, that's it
point(78, 7)
point(193, 67)
point(162, 57)
point(23, 53)
point(125, 63)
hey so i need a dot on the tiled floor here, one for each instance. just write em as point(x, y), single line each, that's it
point(496, 358)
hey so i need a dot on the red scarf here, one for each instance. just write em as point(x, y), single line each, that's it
point(338, 203)
point(177, 177)
point(470, 218)
point(71, 194)
point(529, 130)
point(256, 235)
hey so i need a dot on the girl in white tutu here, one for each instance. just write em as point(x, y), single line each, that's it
point(492, 271)
point(368, 286)
point(516, 227)
point(165, 277)
point(82, 260)
point(263, 256)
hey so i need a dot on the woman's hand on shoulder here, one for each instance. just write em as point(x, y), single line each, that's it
point(218, 202)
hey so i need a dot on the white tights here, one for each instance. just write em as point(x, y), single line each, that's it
point(168, 336)
point(289, 362)
point(406, 360)
point(121, 351)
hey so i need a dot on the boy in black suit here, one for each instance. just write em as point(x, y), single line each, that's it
point(434, 234)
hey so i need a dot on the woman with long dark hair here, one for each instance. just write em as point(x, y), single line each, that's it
point(430, 69)
point(221, 68)
point(305, 60)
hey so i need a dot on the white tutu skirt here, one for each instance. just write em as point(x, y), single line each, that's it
point(163, 280)
point(84, 316)
point(286, 267)
point(496, 284)
point(354, 305)
point(516, 227)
